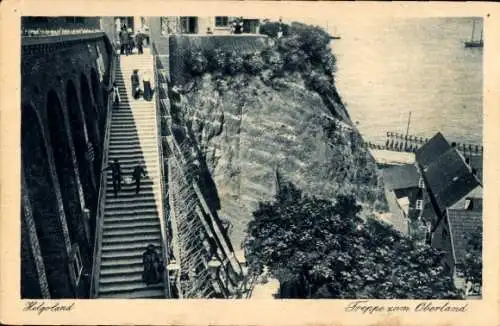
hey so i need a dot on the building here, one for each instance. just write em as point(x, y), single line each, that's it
point(454, 209)
point(218, 25)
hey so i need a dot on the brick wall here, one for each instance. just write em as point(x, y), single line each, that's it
point(47, 66)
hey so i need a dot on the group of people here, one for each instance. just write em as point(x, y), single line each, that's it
point(128, 41)
point(116, 173)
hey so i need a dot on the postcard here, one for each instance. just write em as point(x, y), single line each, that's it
point(250, 163)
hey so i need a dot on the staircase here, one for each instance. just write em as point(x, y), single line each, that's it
point(131, 222)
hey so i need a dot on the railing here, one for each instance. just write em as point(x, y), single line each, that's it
point(163, 218)
point(57, 31)
point(96, 266)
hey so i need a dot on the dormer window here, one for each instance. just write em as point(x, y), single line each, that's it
point(468, 204)
point(421, 183)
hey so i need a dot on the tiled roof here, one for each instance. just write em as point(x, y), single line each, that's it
point(462, 223)
point(436, 146)
point(401, 177)
point(476, 162)
point(449, 179)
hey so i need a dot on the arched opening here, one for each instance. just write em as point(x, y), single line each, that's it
point(100, 107)
point(80, 143)
point(61, 150)
point(44, 204)
point(96, 85)
point(91, 123)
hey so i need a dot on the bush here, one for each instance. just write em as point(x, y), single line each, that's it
point(319, 83)
point(271, 29)
point(234, 63)
point(197, 63)
point(254, 63)
point(216, 60)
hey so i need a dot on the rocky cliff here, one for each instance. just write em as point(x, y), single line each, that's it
point(247, 126)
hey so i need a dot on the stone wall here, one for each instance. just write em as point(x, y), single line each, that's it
point(64, 89)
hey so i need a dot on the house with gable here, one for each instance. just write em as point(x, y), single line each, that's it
point(454, 209)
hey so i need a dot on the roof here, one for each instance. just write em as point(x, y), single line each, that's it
point(449, 179)
point(475, 197)
point(401, 177)
point(435, 147)
point(476, 163)
point(463, 223)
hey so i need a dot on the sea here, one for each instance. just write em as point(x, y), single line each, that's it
point(387, 68)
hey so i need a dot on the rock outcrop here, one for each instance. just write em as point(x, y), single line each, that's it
point(247, 127)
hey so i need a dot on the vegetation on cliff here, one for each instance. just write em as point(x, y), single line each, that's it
point(252, 112)
point(320, 249)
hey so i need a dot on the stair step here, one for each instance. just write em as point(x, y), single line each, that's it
point(110, 255)
point(150, 293)
point(125, 227)
point(120, 279)
point(120, 232)
point(127, 239)
point(128, 287)
point(121, 248)
point(129, 206)
point(131, 216)
point(110, 198)
point(122, 262)
point(123, 270)
point(130, 213)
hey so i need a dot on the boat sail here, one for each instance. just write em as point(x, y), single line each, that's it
point(474, 43)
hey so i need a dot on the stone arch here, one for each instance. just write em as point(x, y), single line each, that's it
point(60, 141)
point(91, 123)
point(44, 203)
point(96, 86)
point(85, 168)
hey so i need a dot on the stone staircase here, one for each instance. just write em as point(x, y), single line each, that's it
point(131, 222)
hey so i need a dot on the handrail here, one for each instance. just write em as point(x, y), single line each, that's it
point(163, 219)
point(96, 266)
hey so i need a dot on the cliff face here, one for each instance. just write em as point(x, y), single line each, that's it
point(247, 127)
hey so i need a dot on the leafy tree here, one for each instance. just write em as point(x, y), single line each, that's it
point(473, 259)
point(320, 249)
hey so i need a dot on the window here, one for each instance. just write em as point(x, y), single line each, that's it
point(419, 204)
point(76, 263)
point(468, 204)
point(221, 21)
point(421, 183)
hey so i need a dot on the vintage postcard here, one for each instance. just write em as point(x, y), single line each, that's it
point(225, 163)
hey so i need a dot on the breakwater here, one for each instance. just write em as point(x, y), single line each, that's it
point(409, 143)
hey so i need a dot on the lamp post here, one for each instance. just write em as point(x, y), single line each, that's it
point(172, 272)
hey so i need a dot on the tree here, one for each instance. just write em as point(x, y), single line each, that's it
point(473, 258)
point(322, 249)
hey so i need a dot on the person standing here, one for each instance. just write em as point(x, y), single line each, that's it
point(123, 41)
point(136, 86)
point(152, 266)
point(148, 91)
point(116, 93)
point(139, 38)
point(137, 174)
point(116, 175)
point(130, 41)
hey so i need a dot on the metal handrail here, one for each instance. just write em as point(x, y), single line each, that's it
point(96, 266)
point(163, 218)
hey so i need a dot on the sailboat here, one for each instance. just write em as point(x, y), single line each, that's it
point(474, 43)
point(334, 36)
